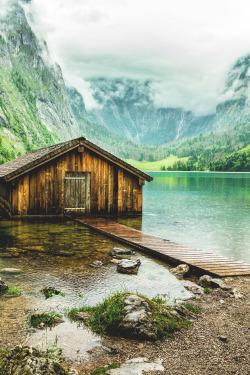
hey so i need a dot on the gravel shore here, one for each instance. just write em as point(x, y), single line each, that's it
point(217, 343)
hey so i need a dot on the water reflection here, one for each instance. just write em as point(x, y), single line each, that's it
point(209, 211)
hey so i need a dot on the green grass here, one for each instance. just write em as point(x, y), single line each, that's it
point(47, 319)
point(51, 292)
point(103, 370)
point(145, 165)
point(106, 317)
point(191, 308)
point(207, 290)
point(12, 291)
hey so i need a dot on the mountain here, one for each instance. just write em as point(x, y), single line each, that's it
point(235, 108)
point(34, 107)
point(37, 109)
point(127, 107)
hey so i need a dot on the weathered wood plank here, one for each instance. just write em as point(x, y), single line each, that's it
point(170, 251)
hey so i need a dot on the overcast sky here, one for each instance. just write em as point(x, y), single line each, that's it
point(185, 46)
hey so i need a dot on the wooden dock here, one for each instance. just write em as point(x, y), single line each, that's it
point(172, 252)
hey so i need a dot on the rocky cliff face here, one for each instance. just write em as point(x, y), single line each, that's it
point(127, 108)
point(235, 103)
point(34, 105)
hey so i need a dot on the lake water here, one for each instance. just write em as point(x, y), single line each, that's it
point(209, 211)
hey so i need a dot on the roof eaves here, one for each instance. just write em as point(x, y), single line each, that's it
point(43, 159)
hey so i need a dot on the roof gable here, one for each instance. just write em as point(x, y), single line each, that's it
point(33, 159)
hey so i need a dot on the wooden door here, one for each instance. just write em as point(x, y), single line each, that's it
point(77, 192)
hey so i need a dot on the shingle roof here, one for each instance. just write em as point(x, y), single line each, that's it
point(33, 159)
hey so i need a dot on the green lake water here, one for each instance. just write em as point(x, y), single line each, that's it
point(209, 211)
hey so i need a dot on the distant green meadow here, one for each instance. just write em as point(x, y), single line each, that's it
point(158, 165)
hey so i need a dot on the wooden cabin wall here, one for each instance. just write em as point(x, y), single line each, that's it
point(42, 191)
point(5, 208)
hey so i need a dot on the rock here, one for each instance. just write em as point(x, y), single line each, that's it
point(45, 320)
point(35, 248)
point(207, 281)
point(27, 360)
point(179, 310)
point(118, 251)
point(62, 253)
point(49, 291)
point(16, 250)
point(9, 255)
point(11, 271)
point(136, 320)
point(115, 261)
point(128, 266)
point(223, 338)
point(192, 287)
point(96, 264)
point(82, 315)
point(3, 287)
point(180, 270)
point(234, 293)
point(137, 366)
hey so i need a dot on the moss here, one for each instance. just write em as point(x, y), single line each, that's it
point(44, 320)
point(191, 308)
point(207, 290)
point(103, 370)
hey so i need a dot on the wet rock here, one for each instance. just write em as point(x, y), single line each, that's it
point(96, 264)
point(3, 287)
point(62, 253)
point(26, 360)
point(192, 287)
point(9, 255)
point(137, 366)
point(119, 251)
point(11, 271)
point(49, 291)
point(180, 270)
point(37, 248)
point(128, 266)
point(16, 250)
point(136, 320)
point(208, 281)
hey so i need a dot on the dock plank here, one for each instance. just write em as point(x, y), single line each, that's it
point(170, 251)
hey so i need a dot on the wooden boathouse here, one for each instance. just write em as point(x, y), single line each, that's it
point(74, 176)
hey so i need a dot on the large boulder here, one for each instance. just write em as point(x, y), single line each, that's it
point(136, 320)
point(24, 360)
point(3, 286)
point(129, 266)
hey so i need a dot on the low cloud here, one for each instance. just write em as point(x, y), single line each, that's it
point(184, 47)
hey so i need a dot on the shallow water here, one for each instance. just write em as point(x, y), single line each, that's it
point(209, 211)
point(73, 275)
